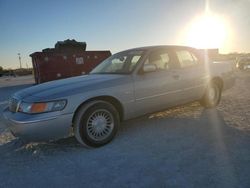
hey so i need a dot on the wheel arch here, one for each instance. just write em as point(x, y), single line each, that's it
point(115, 102)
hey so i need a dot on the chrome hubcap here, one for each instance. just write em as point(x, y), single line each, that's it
point(100, 125)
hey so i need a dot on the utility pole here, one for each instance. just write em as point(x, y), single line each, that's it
point(19, 57)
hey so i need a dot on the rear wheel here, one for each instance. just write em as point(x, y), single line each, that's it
point(212, 96)
point(96, 124)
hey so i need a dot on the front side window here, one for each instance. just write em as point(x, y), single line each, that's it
point(185, 58)
point(120, 63)
point(160, 60)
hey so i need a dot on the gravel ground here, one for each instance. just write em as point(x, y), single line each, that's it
point(186, 146)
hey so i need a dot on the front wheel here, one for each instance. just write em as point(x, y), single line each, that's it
point(96, 124)
point(212, 96)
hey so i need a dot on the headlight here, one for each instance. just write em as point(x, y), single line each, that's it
point(41, 107)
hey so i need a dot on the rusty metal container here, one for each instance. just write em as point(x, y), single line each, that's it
point(53, 64)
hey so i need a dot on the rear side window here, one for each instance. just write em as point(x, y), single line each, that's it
point(186, 59)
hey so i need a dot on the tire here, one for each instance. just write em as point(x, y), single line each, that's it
point(96, 124)
point(212, 96)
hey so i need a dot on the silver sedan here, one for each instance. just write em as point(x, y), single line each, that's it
point(126, 85)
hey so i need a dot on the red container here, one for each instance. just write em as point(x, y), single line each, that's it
point(57, 65)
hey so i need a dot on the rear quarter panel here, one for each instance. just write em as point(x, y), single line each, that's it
point(224, 70)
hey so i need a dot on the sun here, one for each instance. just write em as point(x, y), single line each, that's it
point(206, 31)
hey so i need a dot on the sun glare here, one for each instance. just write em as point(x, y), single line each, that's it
point(206, 31)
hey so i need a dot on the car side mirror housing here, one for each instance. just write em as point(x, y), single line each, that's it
point(149, 68)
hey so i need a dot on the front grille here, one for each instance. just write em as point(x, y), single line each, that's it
point(13, 104)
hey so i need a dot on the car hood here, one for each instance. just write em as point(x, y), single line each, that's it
point(70, 86)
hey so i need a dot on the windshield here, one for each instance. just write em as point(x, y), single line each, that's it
point(120, 63)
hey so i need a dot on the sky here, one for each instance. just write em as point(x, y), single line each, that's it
point(27, 26)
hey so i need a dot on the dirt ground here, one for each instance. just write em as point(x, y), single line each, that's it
point(187, 146)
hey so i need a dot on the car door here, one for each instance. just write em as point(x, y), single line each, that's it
point(158, 89)
point(192, 75)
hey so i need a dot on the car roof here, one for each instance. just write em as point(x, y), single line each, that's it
point(161, 47)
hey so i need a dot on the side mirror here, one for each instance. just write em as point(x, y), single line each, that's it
point(149, 68)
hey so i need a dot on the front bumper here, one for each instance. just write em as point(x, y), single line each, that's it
point(38, 127)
